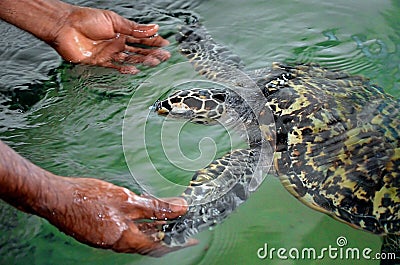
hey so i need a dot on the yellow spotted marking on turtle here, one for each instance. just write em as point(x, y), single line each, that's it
point(342, 153)
point(337, 142)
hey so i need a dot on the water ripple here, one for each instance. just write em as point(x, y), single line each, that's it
point(74, 127)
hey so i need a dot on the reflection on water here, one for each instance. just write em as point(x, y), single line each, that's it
point(73, 124)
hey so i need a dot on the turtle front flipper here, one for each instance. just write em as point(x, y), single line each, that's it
point(214, 193)
point(208, 57)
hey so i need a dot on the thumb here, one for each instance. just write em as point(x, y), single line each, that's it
point(165, 208)
point(130, 28)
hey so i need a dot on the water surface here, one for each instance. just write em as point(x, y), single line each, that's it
point(69, 120)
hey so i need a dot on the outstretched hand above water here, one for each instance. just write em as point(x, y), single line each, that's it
point(100, 37)
point(87, 35)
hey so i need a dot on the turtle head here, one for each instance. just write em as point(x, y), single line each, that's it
point(199, 105)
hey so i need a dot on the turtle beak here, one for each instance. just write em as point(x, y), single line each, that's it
point(158, 107)
point(162, 111)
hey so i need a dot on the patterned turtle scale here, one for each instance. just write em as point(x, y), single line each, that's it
point(337, 146)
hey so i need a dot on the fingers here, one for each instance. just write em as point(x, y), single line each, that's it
point(146, 238)
point(161, 55)
point(156, 41)
point(130, 28)
point(117, 60)
point(134, 241)
point(145, 60)
point(146, 57)
point(145, 34)
point(143, 31)
point(126, 69)
point(150, 208)
point(113, 53)
point(117, 52)
point(113, 56)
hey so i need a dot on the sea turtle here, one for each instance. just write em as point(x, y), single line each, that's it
point(335, 137)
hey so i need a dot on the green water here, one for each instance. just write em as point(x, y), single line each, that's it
point(76, 125)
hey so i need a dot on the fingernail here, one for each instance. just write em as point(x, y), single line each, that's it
point(153, 26)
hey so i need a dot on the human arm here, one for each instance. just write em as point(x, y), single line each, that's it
point(94, 212)
point(86, 35)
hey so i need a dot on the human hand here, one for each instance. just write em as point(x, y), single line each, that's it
point(103, 215)
point(100, 37)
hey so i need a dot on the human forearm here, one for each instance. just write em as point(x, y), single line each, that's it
point(42, 18)
point(93, 211)
point(23, 184)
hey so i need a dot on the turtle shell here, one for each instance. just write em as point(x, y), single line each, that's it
point(337, 144)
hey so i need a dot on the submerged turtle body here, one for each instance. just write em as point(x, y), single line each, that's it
point(336, 141)
point(338, 145)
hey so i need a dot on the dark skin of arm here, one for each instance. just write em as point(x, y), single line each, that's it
point(87, 35)
point(92, 211)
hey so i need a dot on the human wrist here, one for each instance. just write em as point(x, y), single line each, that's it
point(42, 18)
point(47, 197)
